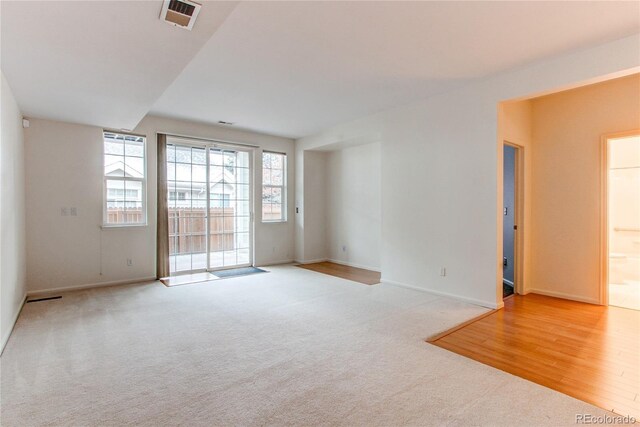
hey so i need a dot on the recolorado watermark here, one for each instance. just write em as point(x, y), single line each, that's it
point(604, 419)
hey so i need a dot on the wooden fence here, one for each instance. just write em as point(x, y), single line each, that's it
point(187, 228)
point(188, 232)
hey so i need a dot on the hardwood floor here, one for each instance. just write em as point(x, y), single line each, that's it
point(360, 275)
point(587, 351)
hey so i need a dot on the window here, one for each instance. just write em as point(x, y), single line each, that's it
point(124, 180)
point(220, 200)
point(274, 206)
point(177, 195)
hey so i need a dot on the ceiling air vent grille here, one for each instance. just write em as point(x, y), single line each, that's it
point(180, 13)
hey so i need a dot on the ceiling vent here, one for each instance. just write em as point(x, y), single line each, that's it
point(180, 13)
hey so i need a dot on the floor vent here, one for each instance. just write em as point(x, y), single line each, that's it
point(180, 13)
point(44, 299)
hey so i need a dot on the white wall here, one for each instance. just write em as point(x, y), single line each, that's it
point(445, 154)
point(353, 206)
point(12, 213)
point(64, 169)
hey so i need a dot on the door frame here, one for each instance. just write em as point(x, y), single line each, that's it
point(604, 209)
point(518, 244)
point(187, 141)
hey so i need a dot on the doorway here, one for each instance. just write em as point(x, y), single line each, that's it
point(509, 226)
point(623, 220)
point(209, 198)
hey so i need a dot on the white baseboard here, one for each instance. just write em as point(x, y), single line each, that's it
point(90, 285)
point(353, 264)
point(5, 339)
point(473, 301)
point(267, 264)
point(310, 261)
point(564, 296)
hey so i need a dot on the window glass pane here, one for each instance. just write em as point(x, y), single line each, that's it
point(113, 147)
point(199, 207)
point(199, 156)
point(134, 148)
point(266, 160)
point(134, 167)
point(113, 165)
point(242, 175)
point(243, 256)
point(242, 192)
point(171, 153)
point(216, 158)
point(276, 161)
point(274, 186)
point(266, 195)
point(242, 208)
point(183, 172)
point(276, 177)
point(171, 171)
point(242, 159)
point(229, 161)
point(183, 154)
point(199, 173)
point(276, 195)
point(242, 240)
point(124, 201)
point(242, 223)
point(266, 176)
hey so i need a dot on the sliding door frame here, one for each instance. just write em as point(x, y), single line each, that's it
point(208, 145)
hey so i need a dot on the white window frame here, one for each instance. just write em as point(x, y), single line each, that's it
point(143, 181)
point(283, 189)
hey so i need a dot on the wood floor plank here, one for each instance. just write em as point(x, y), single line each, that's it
point(360, 275)
point(587, 351)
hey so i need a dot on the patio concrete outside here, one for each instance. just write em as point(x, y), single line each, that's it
point(198, 261)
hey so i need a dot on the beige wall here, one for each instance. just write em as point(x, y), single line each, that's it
point(353, 206)
point(566, 194)
point(12, 210)
point(515, 127)
point(313, 206)
point(64, 169)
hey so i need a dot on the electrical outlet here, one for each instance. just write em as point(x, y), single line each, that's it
point(443, 271)
point(129, 262)
point(344, 248)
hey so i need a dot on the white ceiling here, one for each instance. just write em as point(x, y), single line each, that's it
point(284, 68)
point(102, 63)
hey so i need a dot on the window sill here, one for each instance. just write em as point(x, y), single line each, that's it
point(275, 222)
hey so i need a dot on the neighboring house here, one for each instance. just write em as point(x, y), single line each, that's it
point(223, 191)
point(125, 192)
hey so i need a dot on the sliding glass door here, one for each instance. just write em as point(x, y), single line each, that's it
point(209, 197)
point(229, 208)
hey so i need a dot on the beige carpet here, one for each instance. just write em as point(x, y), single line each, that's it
point(293, 347)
